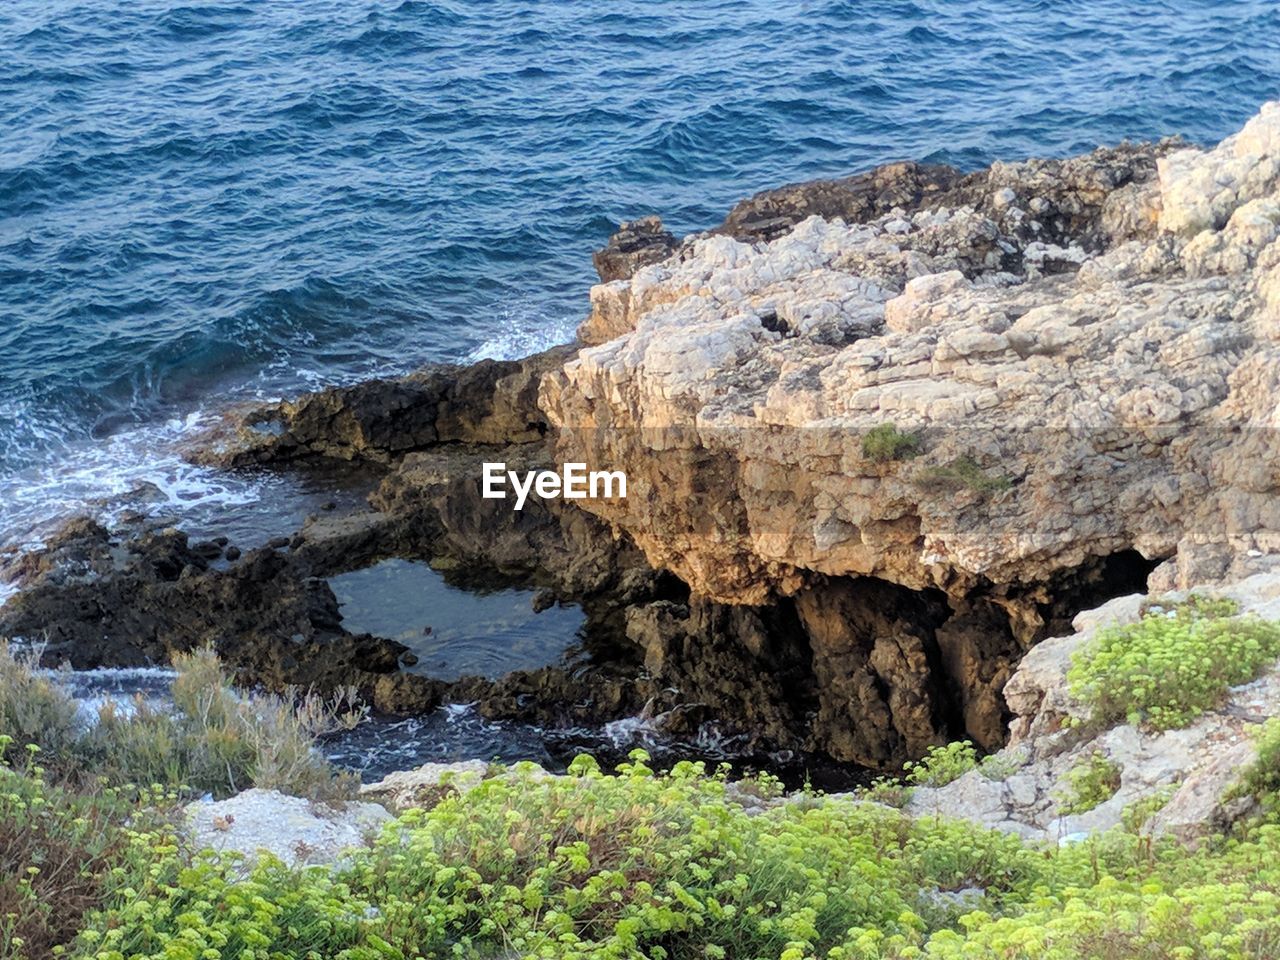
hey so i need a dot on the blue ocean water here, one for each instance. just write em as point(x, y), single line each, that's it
point(214, 200)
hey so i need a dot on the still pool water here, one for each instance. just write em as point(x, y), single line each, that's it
point(453, 632)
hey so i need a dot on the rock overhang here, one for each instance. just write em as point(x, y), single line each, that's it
point(1082, 351)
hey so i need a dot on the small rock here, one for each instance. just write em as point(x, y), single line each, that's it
point(207, 550)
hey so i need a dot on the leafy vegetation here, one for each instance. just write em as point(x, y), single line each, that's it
point(216, 739)
point(1262, 779)
point(592, 866)
point(887, 791)
point(632, 865)
point(1001, 766)
point(886, 442)
point(638, 865)
point(942, 765)
point(1091, 782)
point(1135, 816)
point(1172, 665)
point(962, 473)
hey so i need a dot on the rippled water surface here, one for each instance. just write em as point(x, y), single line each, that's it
point(204, 201)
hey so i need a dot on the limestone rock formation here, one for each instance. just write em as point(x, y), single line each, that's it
point(970, 384)
point(882, 435)
point(1060, 416)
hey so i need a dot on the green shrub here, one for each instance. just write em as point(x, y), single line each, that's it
point(886, 442)
point(598, 867)
point(888, 791)
point(1002, 766)
point(1196, 606)
point(1262, 778)
point(1136, 814)
point(1172, 665)
point(1092, 781)
point(590, 866)
point(941, 765)
point(962, 473)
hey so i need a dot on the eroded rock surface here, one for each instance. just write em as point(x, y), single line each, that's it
point(296, 831)
point(1109, 387)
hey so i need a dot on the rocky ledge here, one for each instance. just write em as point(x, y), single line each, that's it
point(989, 390)
point(882, 435)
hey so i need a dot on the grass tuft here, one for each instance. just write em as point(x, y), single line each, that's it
point(962, 473)
point(215, 739)
point(886, 442)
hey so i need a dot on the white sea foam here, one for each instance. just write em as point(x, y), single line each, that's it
point(118, 687)
point(523, 329)
point(134, 468)
point(114, 674)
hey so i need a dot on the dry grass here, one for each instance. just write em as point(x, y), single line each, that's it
point(215, 739)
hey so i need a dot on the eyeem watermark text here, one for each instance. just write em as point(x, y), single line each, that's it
point(573, 482)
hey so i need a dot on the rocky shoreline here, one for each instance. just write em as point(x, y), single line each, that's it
point(883, 435)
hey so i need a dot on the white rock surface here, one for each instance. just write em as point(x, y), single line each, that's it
point(297, 831)
point(427, 785)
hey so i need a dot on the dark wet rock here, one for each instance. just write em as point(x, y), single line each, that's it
point(93, 600)
point(856, 199)
point(76, 550)
point(747, 667)
point(554, 696)
point(382, 420)
point(881, 693)
point(404, 694)
point(636, 244)
point(543, 600)
point(207, 550)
